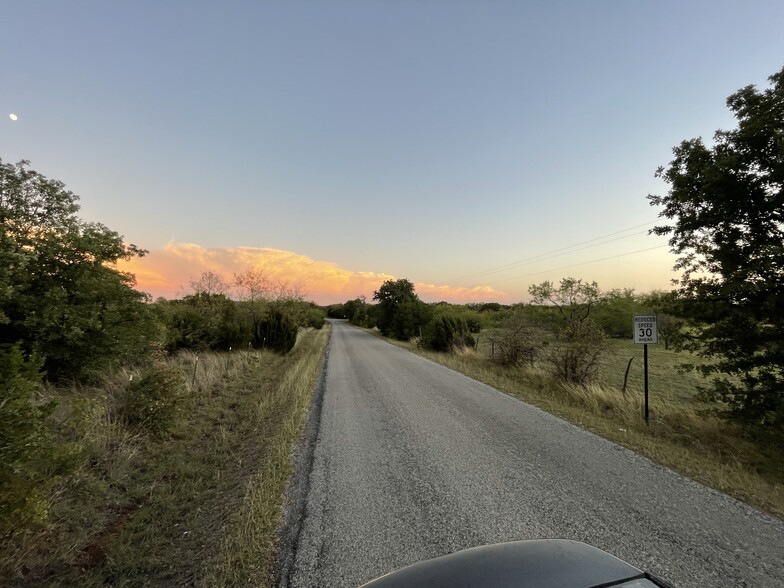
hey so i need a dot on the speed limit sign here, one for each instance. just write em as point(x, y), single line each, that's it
point(645, 329)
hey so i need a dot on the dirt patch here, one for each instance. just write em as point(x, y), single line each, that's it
point(94, 554)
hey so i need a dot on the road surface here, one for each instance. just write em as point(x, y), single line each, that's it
point(411, 460)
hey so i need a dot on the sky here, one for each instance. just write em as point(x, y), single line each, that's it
point(474, 148)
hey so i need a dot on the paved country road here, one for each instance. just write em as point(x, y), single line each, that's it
point(411, 460)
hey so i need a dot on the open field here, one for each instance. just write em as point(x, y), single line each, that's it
point(682, 434)
point(197, 507)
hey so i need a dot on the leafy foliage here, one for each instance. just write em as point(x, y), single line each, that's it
point(615, 310)
point(26, 452)
point(447, 332)
point(356, 311)
point(277, 332)
point(400, 312)
point(314, 318)
point(671, 327)
point(573, 298)
point(59, 292)
point(579, 341)
point(726, 204)
point(204, 321)
point(155, 399)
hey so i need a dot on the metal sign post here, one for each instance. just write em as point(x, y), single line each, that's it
point(646, 331)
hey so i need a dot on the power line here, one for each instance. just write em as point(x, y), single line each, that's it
point(582, 263)
point(545, 257)
point(557, 252)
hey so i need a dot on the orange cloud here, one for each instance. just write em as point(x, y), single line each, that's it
point(168, 272)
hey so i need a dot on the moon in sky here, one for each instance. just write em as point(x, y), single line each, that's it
point(12, 116)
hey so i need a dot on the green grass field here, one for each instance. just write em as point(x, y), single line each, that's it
point(198, 507)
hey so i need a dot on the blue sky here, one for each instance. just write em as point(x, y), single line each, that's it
point(427, 140)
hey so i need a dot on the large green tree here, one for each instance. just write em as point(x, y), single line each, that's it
point(400, 314)
point(726, 207)
point(60, 293)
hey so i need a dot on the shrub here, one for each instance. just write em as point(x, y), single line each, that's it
point(154, 400)
point(447, 333)
point(314, 318)
point(474, 325)
point(207, 321)
point(513, 344)
point(277, 332)
point(574, 356)
point(25, 444)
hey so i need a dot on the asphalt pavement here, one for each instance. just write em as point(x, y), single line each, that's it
point(408, 460)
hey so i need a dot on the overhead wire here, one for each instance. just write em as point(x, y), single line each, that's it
point(557, 252)
point(582, 263)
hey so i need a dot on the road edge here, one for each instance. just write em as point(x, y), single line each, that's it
point(296, 494)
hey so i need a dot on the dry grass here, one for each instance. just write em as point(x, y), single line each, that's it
point(682, 435)
point(198, 507)
point(247, 549)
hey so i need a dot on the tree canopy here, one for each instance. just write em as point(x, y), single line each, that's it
point(60, 294)
point(400, 312)
point(726, 207)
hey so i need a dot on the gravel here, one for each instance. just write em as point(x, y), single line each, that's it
point(410, 460)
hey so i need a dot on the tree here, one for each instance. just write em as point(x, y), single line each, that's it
point(253, 284)
point(210, 283)
point(277, 332)
point(666, 307)
point(726, 204)
point(616, 310)
point(579, 341)
point(356, 311)
point(207, 321)
point(573, 298)
point(60, 292)
point(400, 311)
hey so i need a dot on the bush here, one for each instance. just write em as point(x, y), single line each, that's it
point(315, 318)
point(154, 400)
point(447, 333)
point(277, 332)
point(574, 356)
point(513, 344)
point(26, 451)
point(207, 321)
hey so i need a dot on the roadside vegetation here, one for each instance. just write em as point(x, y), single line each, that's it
point(686, 432)
point(717, 383)
point(141, 442)
point(148, 442)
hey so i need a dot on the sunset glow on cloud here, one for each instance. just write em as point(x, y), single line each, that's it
point(168, 272)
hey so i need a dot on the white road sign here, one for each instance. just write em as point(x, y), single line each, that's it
point(645, 329)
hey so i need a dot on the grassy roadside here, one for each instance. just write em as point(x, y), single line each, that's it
point(682, 434)
point(197, 507)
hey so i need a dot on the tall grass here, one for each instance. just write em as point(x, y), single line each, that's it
point(247, 550)
point(145, 509)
